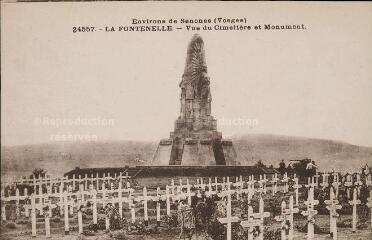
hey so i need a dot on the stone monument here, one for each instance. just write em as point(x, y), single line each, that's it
point(195, 140)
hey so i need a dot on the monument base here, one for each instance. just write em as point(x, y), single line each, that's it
point(194, 151)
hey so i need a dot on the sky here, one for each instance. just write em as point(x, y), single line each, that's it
point(312, 83)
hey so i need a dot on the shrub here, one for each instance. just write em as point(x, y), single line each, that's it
point(92, 227)
point(101, 224)
point(216, 230)
point(171, 221)
point(55, 220)
point(317, 229)
point(88, 233)
point(22, 222)
point(138, 227)
point(272, 235)
point(152, 230)
point(345, 224)
point(120, 235)
point(11, 225)
point(362, 225)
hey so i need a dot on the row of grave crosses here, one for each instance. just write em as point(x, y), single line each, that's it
point(71, 184)
point(286, 219)
point(176, 194)
point(58, 193)
point(239, 183)
point(175, 191)
point(348, 183)
point(40, 183)
point(332, 207)
point(254, 222)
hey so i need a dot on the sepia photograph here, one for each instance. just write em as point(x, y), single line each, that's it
point(186, 120)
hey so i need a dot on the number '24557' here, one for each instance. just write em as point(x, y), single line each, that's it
point(83, 29)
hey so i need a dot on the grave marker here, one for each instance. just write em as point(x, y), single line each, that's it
point(354, 203)
point(310, 213)
point(229, 219)
point(332, 206)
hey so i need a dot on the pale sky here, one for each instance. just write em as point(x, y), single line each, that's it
point(313, 83)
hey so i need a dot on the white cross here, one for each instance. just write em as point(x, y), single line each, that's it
point(202, 184)
point(369, 204)
point(369, 179)
point(354, 203)
point(348, 183)
point(296, 186)
point(283, 219)
point(358, 183)
point(157, 199)
point(316, 178)
point(251, 223)
point(310, 183)
point(229, 219)
point(227, 192)
point(285, 181)
point(336, 183)
point(274, 181)
point(210, 192)
point(332, 206)
point(172, 187)
point(290, 211)
point(262, 184)
point(310, 213)
point(325, 183)
point(255, 220)
point(145, 199)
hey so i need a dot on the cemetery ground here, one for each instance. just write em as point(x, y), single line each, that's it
point(328, 206)
point(22, 232)
point(19, 228)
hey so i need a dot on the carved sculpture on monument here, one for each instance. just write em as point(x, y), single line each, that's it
point(195, 139)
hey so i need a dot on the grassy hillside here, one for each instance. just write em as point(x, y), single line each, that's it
point(62, 157)
point(327, 154)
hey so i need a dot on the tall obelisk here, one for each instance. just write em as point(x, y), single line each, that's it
point(195, 139)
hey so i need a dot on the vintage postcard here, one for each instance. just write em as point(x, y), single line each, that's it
point(186, 120)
